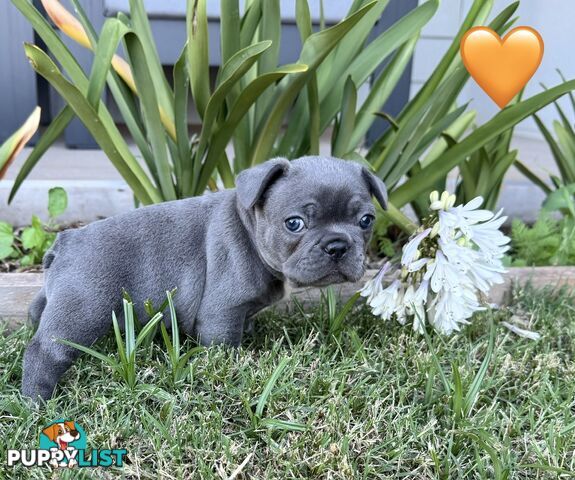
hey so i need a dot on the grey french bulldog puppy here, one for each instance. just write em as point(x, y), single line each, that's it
point(305, 222)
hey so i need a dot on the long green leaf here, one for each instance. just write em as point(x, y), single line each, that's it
point(336, 65)
point(484, 441)
point(174, 323)
point(564, 120)
point(129, 329)
point(394, 161)
point(473, 392)
point(264, 397)
point(151, 112)
point(347, 120)
point(186, 356)
point(198, 55)
point(112, 31)
point(429, 130)
point(275, 424)
point(104, 358)
point(229, 28)
point(250, 22)
point(457, 395)
point(454, 131)
point(498, 174)
point(167, 341)
point(148, 328)
point(230, 35)
point(563, 164)
point(304, 25)
point(123, 160)
point(337, 322)
point(532, 176)
point(269, 30)
point(142, 28)
point(566, 140)
point(53, 42)
point(505, 119)
point(232, 71)
point(183, 160)
point(119, 341)
point(382, 89)
point(122, 95)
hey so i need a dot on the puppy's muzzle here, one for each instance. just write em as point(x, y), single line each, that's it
point(335, 246)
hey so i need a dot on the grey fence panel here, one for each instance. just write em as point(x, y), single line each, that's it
point(17, 78)
point(333, 11)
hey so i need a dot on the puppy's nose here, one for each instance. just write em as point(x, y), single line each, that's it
point(336, 248)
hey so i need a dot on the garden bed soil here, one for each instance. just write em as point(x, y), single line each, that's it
point(18, 289)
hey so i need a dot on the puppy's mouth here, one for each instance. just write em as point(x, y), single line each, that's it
point(63, 445)
point(331, 278)
point(314, 269)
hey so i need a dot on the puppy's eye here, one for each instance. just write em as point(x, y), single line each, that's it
point(366, 221)
point(295, 224)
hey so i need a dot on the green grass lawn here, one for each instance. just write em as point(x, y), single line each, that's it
point(369, 403)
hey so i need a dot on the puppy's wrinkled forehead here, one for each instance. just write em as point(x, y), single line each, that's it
point(324, 187)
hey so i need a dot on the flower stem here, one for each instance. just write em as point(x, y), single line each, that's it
point(399, 218)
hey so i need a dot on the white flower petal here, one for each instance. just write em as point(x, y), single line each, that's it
point(417, 265)
point(410, 249)
point(373, 287)
point(474, 203)
point(521, 331)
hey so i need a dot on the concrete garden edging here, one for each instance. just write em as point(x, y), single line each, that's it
point(18, 289)
point(539, 277)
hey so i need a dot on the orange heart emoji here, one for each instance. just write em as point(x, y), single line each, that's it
point(501, 67)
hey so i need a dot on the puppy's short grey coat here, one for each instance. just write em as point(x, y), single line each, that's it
point(304, 222)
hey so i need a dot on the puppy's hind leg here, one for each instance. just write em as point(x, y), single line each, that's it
point(220, 327)
point(46, 359)
point(37, 307)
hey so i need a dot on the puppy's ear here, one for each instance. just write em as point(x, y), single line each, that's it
point(52, 432)
point(252, 183)
point(376, 187)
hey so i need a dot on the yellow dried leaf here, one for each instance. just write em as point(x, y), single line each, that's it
point(14, 145)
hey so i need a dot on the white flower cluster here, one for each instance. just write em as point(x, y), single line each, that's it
point(446, 267)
